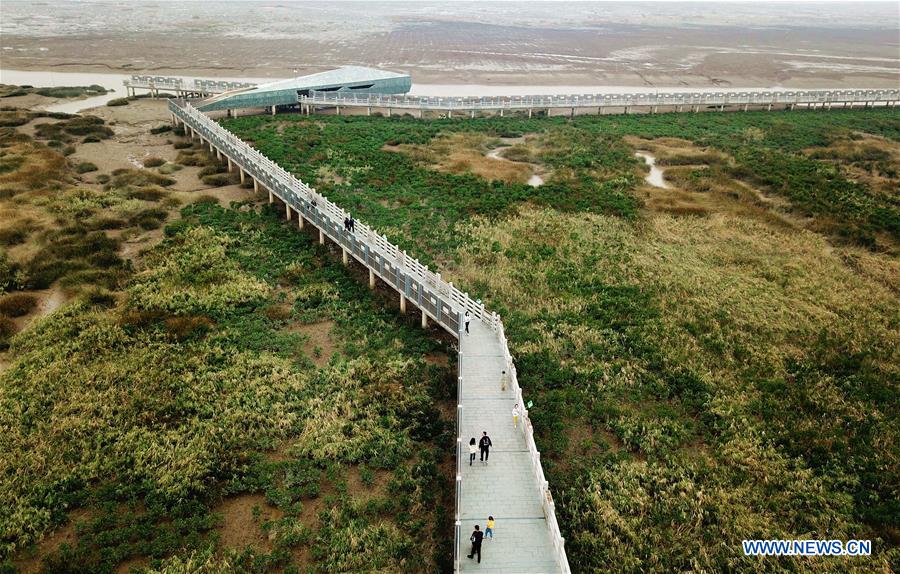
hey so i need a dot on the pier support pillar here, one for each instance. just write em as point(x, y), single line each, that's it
point(501, 112)
point(529, 113)
point(369, 111)
point(424, 320)
point(473, 114)
point(769, 108)
point(389, 112)
point(655, 108)
point(371, 279)
point(450, 114)
point(626, 110)
point(402, 303)
point(273, 110)
point(255, 184)
point(300, 221)
point(746, 106)
point(287, 212)
point(230, 167)
point(321, 237)
point(338, 110)
point(271, 197)
point(244, 176)
point(573, 112)
point(344, 258)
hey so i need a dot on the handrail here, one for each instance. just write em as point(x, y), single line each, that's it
point(394, 266)
point(762, 97)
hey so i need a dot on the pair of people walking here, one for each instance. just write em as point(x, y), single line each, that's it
point(484, 445)
point(478, 537)
point(349, 224)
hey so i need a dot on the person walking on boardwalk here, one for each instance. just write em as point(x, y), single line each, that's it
point(471, 451)
point(467, 318)
point(485, 445)
point(476, 538)
point(489, 529)
point(504, 381)
point(346, 224)
point(352, 224)
point(516, 416)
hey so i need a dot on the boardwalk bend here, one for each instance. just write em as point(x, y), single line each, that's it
point(512, 487)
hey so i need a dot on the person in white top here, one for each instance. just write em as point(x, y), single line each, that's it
point(472, 450)
point(516, 416)
point(467, 318)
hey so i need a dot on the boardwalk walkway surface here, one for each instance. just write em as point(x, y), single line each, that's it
point(506, 488)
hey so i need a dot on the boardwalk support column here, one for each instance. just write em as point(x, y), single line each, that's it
point(230, 167)
point(287, 212)
point(300, 222)
point(321, 237)
point(273, 110)
point(243, 177)
point(424, 320)
point(344, 259)
point(271, 197)
point(402, 303)
point(255, 184)
point(371, 279)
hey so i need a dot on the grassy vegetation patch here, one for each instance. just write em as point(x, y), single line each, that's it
point(201, 397)
point(699, 377)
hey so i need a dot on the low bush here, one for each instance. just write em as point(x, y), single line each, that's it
point(220, 179)
point(117, 102)
point(154, 162)
point(85, 167)
point(17, 304)
point(161, 129)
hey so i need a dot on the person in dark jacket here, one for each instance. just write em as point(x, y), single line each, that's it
point(352, 223)
point(476, 538)
point(485, 445)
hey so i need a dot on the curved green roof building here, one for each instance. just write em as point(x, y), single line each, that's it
point(356, 79)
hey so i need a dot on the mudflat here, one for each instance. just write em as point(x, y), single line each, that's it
point(584, 43)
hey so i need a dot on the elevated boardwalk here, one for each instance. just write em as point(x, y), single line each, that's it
point(505, 488)
point(512, 488)
point(572, 104)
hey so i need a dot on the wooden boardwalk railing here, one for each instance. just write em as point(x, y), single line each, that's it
point(436, 299)
point(673, 101)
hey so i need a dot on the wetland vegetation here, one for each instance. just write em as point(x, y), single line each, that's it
point(709, 362)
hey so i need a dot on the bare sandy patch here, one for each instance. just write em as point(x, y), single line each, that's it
point(65, 534)
point(242, 520)
point(319, 335)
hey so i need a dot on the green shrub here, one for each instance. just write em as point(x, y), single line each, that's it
point(220, 179)
point(7, 330)
point(183, 145)
point(85, 167)
point(154, 162)
point(17, 304)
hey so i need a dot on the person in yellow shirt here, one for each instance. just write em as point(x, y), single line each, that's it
point(489, 531)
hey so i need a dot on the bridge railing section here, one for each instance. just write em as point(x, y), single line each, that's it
point(601, 100)
point(439, 299)
point(174, 83)
point(537, 469)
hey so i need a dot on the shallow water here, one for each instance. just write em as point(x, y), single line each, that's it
point(655, 177)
